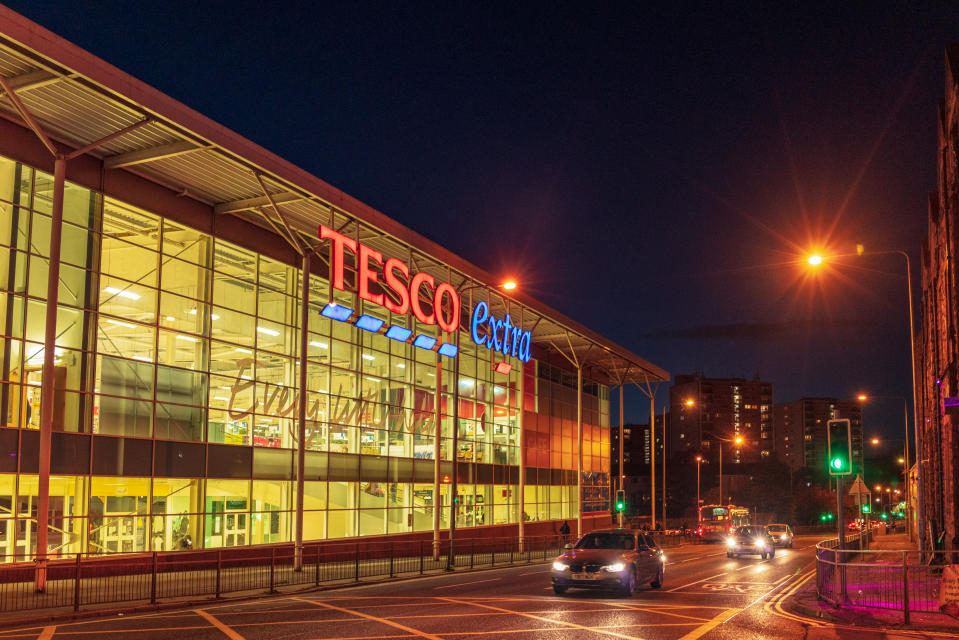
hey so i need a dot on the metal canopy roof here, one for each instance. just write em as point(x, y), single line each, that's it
point(78, 99)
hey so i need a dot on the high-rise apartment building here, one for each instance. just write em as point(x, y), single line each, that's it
point(708, 411)
point(807, 419)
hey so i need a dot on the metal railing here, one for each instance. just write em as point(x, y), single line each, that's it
point(88, 580)
point(901, 579)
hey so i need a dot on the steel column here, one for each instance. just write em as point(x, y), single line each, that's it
point(579, 458)
point(450, 562)
point(622, 445)
point(301, 417)
point(522, 459)
point(652, 458)
point(48, 375)
point(437, 452)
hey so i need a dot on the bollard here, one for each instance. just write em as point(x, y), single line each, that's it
point(76, 585)
point(472, 551)
point(391, 559)
point(905, 586)
point(421, 557)
point(153, 579)
point(316, 566)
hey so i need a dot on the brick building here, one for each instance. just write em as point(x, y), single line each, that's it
point(937, 351)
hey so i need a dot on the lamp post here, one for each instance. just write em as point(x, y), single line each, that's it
point(815, 261)
point(905, 459)
point(735, 440)
point(699, 515)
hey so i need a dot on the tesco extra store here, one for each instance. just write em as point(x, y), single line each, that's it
point(170, 379)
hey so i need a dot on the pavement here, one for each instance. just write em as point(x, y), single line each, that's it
point(805, 602)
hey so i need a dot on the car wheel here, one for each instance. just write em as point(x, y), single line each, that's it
point(763, 555)
point(729, 554)
point(772, 552)
point(790, 544)
point(658, 582)
point(629, 583)
point(559, 589)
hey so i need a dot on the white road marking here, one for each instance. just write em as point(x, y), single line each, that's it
point(463, 584)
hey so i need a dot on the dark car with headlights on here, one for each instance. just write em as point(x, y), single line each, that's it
point(750, 539)
point(615, 559)
point(781, 534)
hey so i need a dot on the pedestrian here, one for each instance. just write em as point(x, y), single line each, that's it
point(684, 527)
point(564, 531)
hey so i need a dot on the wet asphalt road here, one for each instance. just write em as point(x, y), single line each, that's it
point(705, 595)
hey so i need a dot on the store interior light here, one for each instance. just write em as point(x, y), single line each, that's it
point(122, 293)
point(503, 367)
point(270, 332)
point(319, 345)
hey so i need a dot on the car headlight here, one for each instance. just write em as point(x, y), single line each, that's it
point(782, 537)
point(559, 566)
point(615, 567)
point(759, 542)
point(730, 542)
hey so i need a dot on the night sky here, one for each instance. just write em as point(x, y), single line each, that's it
point(655, 173)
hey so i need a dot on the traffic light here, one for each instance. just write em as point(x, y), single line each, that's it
point(885, 516)
point(865, 508)
point(825, 516)
point(620, 503)
point(839, 446)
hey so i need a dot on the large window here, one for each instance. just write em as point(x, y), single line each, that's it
point(172, 343)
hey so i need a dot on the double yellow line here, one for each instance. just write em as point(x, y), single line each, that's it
point(775, 606)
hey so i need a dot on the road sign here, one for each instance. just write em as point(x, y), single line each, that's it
point(858, 487)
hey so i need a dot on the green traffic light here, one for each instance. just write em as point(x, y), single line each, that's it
point(620, 506)
point(837, 463)
point(885, 516)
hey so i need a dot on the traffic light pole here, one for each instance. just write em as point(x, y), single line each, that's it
point(841, 528)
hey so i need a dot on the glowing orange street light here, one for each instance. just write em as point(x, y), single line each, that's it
point(875, 440)
point(739, 440)
point(690, 402)
point(509, 285)
point(862, 397)
point(814, 260)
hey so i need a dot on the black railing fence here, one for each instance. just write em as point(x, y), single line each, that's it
point(87, 580)
point(906, 579)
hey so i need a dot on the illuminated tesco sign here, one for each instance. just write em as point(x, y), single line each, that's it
point(393, 275)
point(499, 335)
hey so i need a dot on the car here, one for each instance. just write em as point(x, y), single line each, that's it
point(750, 539)
point(781, 534)
point(614, 559)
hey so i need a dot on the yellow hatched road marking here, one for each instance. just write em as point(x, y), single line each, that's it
point(227, 631)
point(545, 619)
point(47, 633)
point(395, 625)
point(709, 626)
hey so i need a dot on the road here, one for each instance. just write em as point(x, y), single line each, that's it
point(705, 595)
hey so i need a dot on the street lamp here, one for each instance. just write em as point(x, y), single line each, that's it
point(699, 515)
point(736, 440)
point(816, 260)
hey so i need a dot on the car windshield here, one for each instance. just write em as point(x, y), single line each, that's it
point(606, 541)
point(777, 527)
point(750, 531)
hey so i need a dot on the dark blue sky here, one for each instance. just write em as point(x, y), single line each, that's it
point(653, 172)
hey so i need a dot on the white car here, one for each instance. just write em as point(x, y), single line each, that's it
point(781, 534)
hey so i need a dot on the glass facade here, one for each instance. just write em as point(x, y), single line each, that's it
point(176, 393)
